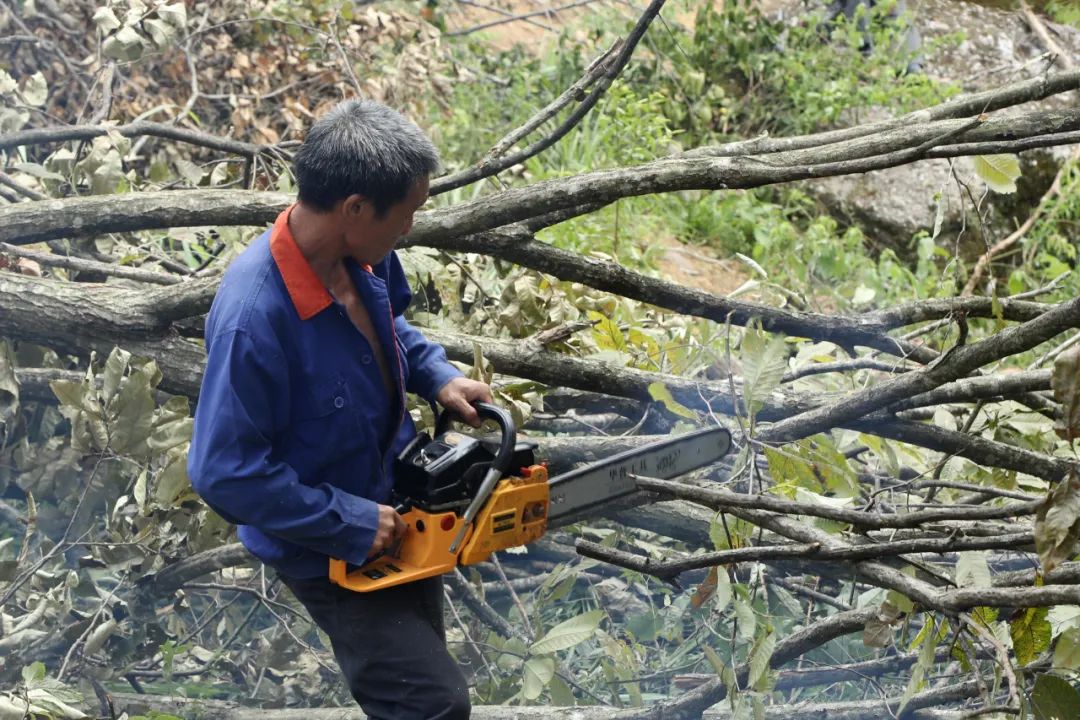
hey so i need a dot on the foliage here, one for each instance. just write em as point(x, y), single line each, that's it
point(1047, 251)
point(742, 73)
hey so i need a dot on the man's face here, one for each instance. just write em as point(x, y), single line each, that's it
point(370, 238)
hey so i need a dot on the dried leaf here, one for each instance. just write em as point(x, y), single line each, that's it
point(705, 590)
point(106, 20)
point(9, 385)
point(161, 33)
point(34, 90)
point(877, 632)
point(1065, 380)
point(1057, 522)
point(126, 44)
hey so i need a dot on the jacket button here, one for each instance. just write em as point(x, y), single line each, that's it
point(365, 359)
point(339, 402)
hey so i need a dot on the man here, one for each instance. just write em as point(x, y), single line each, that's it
point(850, 10)
point(302, 408)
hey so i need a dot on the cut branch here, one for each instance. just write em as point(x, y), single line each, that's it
point(48, 135)
point(669, 570)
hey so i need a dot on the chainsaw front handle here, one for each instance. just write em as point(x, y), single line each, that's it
point(507, 430)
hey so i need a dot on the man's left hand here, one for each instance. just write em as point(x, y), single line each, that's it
point(458, 395)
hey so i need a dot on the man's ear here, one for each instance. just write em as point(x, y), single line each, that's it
point(354, 206)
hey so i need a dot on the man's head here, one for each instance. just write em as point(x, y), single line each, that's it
point(369, 166)
point(364, 148)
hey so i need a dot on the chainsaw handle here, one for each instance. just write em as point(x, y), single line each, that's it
point(487, 411)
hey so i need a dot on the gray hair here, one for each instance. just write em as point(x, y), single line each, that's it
point(362, 147)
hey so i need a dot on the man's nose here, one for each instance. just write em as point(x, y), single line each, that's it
point(408, 226)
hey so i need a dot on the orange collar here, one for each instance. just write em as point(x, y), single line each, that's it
point(307, 292)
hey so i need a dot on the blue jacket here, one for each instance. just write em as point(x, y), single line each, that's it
point(295, 430)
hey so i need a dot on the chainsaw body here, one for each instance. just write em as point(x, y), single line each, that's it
point(438, 481)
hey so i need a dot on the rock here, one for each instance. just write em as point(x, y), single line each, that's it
point(892, 205)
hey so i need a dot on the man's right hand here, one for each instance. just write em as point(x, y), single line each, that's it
point(391, 527)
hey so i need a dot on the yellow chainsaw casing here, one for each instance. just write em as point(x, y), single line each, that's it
point(424, 551)
point(515, 514)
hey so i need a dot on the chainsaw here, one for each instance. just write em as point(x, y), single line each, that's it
point(463, 498)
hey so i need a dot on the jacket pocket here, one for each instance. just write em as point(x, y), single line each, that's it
point(325, 426)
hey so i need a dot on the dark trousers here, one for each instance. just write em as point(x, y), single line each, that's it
point(391, 648)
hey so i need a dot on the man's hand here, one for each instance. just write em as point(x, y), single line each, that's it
point(391, 527)
point(458, 395)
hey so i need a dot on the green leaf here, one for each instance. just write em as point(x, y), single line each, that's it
point(561, 694)
point(747, 620)
point(902, 602)
point(33, 673)
point(1067, 650)
point(725, 673)
point(863, 295)
point(928, 638)
point(659, 392)
point(606, 332)
point(813, 464)
point(1030, 633)
point(1057, 522)
point(1065, 380)
point(764, 360)
point(536, 674)
point(723, 590)
point(760, 655)
point(739, 529)
point(1054, 698)
point(972, 570)
point(568, 633)
point(788, 467)
point(999, 172)
point(714, 660)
